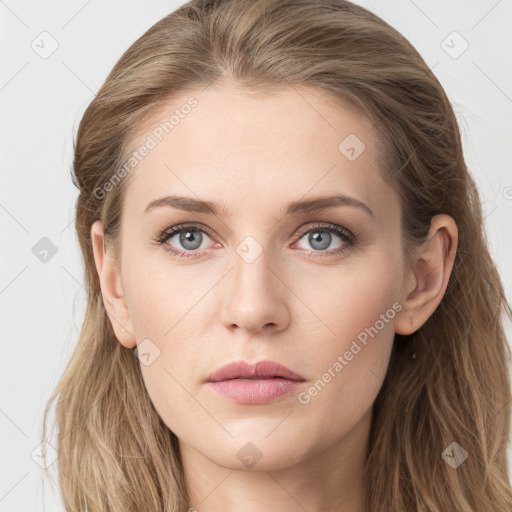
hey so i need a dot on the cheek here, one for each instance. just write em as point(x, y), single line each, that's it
point(169, 320)
point(162, 298)
point(356, 308)
point(342, 302)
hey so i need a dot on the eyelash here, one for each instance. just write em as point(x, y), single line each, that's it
point(348, 238)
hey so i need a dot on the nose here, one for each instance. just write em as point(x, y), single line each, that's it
point(255, 297)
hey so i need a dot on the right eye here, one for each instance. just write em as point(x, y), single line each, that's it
point(190, 239)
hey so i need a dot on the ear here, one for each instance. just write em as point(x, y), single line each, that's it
point(426, 282)
point(111, 288)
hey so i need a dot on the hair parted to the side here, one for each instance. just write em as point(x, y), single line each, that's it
point(114, 451)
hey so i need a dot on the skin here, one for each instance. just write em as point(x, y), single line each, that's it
point(253, 154)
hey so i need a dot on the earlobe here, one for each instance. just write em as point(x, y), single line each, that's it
point(111, 288)
point(429, 276)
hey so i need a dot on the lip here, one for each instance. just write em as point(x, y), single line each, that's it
point(252, 384)
point(261, 370)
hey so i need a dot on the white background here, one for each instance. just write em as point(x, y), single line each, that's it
point(41, 103)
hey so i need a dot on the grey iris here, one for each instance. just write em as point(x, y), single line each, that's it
point(323, 238)
point(190, 237)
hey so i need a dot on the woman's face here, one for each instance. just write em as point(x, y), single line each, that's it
point(264, 278)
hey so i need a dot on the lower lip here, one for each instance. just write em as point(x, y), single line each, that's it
point(257, 391)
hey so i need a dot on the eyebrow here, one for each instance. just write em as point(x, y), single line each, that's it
point(190, 204)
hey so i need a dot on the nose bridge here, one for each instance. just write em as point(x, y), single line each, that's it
point(256, 296)
point(252, 266)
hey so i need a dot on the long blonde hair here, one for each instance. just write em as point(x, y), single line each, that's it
point(115, 452)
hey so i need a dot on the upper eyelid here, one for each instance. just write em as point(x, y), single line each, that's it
point(324, 225)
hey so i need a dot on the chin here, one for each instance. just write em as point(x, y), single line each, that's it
point(257, 453)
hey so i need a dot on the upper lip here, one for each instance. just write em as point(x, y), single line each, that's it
point(261, 370)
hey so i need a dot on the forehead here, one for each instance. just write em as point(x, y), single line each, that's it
point(234, 145)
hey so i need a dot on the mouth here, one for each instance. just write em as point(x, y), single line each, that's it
point(253, 384)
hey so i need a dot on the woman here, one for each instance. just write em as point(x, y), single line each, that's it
point(291, 304)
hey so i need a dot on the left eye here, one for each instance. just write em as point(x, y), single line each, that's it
point(321, 238)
